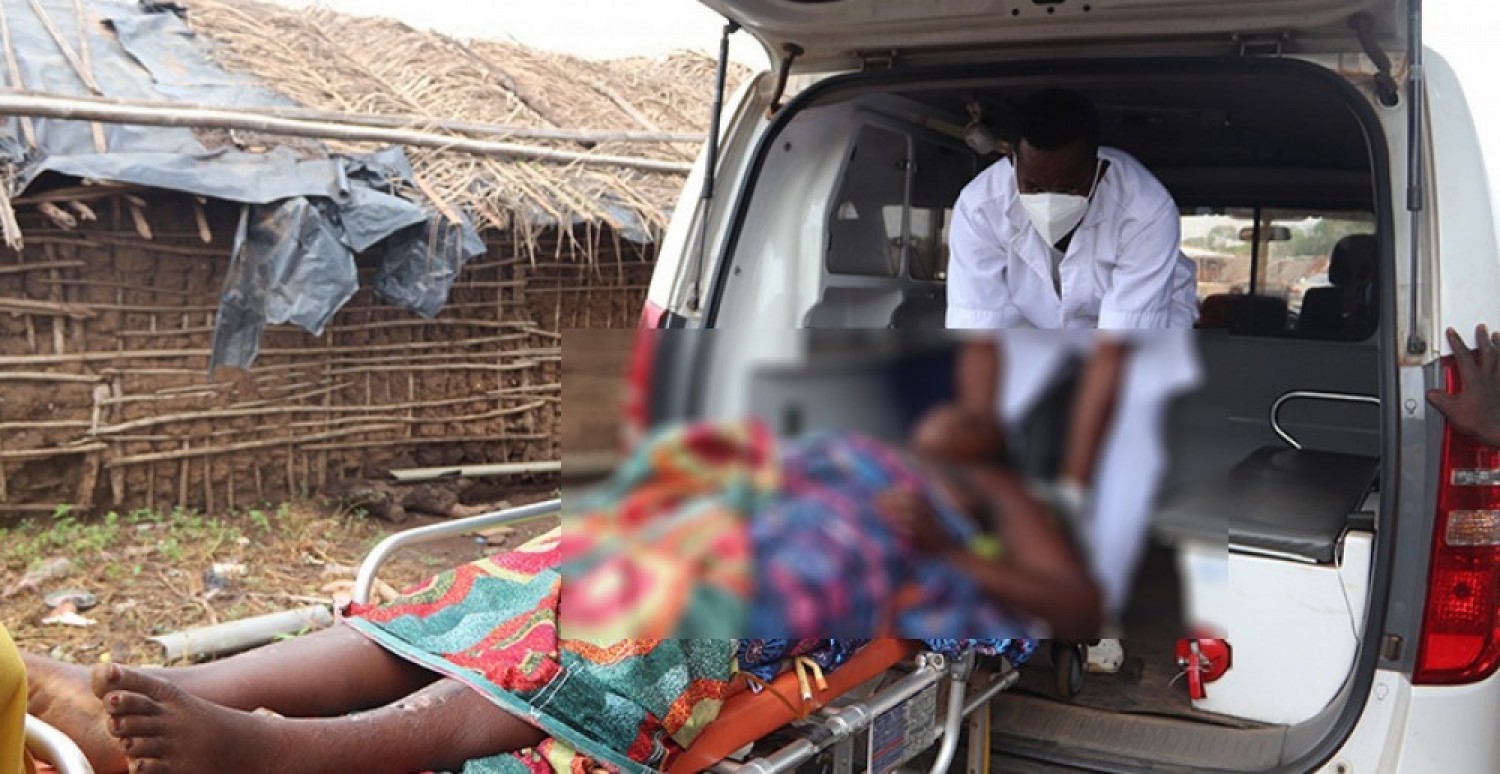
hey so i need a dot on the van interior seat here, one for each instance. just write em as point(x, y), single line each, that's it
point(1244, 313)
point(1286, 503)
point(854, 307)
point(920, 310)
point(1216, 311)
point(1292, 485)
point(1346, 307)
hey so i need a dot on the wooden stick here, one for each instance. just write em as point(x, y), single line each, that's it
point(59, 216)
point(84, 212)
point(9, 226)
point(586, 288)
point(41, 266)
point(496, 414)
point(111, 111)
point(90, 481)
point(47, 454)
point(182, 475)
point(325, 409)
point(78, 283)
point(84, 71)
point(101, 143)
point(117, 477)
point(449, 439)
point(59, 326)
point(204, 232)
point(191, 251)
point(430, 123)
point(53, 424)
point(204, 451)
point(68, 53)
point(4, 495)
point(138, 215)
point(42, 376)
point(158, 354)
point(13, 67)
point(46, 308)
point(99, 190)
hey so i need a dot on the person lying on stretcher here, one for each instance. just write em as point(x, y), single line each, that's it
point(504, 666)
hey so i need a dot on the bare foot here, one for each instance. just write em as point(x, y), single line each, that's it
point(164, 729)
point(58, 693)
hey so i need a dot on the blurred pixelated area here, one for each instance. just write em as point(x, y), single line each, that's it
point(878, 385)
point(593, 379)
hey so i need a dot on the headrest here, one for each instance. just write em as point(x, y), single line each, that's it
point(1216, 311)
point(1352, 261)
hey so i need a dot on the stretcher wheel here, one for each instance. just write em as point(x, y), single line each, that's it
point(1068, 661)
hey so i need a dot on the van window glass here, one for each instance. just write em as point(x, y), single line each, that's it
point(941, 172)
point(861, 240)
point(1284, 272)
point(929, 244)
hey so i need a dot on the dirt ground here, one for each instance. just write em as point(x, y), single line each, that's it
point(153, 573)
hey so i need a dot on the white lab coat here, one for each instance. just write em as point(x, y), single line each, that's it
point(1124, 267)
point(1161, 365)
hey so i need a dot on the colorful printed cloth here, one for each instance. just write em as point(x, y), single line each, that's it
point(827, 565)
point(617, 633)
point(618, 665)
point(764, 659)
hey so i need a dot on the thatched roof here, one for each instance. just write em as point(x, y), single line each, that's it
point(376, 66)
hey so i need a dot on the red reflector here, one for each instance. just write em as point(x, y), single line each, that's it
point(1460, 640)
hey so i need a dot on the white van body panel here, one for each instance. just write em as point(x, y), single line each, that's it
point(1377, 742)
point(832, 34)
point(1466, 264)
point(1452, 728)
point(1407, 728)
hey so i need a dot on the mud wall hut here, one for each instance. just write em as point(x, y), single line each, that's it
point(147, 355)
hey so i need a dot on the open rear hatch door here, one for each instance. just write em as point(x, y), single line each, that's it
point(840, 34)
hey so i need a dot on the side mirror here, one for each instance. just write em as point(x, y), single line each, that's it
point(1270, 234)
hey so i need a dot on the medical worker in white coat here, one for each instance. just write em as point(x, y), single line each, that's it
point(1068, 234)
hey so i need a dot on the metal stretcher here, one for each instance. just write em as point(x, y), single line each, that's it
point(895, 723)
point(47, 743)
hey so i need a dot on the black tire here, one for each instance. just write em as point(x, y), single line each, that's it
point(1068, 668)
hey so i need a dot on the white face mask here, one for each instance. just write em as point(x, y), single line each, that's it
point(1055, 215)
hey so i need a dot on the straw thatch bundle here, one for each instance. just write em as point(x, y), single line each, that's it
point(375, 66)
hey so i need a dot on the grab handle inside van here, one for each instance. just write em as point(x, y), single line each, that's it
point(1340, 397)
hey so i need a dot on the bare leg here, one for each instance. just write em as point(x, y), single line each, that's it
point(330, 672)
point(164, 729)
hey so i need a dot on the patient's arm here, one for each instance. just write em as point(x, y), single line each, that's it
point(1041, 575)
point(978, 377)
point(1093, 409)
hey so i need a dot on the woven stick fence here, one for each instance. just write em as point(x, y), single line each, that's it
point(104, 342)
